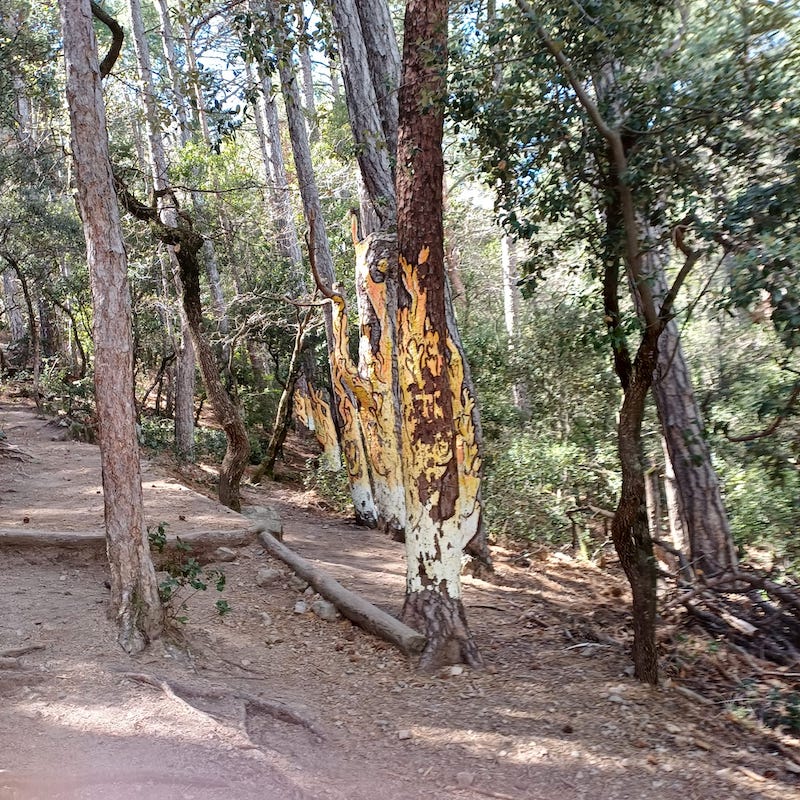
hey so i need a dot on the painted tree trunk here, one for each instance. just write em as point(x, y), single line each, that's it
point(376, 291)
point(439, 503)
point(134, 591)
point(325, 429)
point(352, 441)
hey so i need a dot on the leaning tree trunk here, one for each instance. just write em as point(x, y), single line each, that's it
point(700, 508)
point(439, 501)
point(134, 590)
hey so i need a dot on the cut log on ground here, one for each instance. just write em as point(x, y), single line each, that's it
point(203, 543)
point(353, 606)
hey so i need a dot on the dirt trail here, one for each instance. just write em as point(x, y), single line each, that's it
point(551, 716)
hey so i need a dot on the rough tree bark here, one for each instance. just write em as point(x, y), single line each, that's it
point(134, 591)
point(441, 495)
point(701, 519)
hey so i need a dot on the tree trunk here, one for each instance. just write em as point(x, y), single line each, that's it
point(185, 372)
point(372, 146)
point(699, 498)
point(269, 137)
point(440, 499)
point(629, 528)
point(508, 249)
point(349, 426)
point(16, 323)
point(134, 591)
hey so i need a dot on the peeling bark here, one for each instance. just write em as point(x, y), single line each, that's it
point(441, 491)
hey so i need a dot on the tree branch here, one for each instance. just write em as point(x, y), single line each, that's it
point(619, 160)
point(774, 425)
point(117, 38)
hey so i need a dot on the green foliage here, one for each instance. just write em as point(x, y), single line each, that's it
point(330, 485)
point(185, 576)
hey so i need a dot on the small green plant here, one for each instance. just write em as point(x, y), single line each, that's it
point(185, 576)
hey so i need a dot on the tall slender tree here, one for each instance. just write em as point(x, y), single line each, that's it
point(134, 591)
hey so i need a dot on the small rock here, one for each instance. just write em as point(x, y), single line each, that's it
point(309, 592)
point(224, 554)
point(297, 583)
point(245, 662)
point(673, 729)
point(267, 576)
point(266, 619)
point(455, 670)
point(266, 518)
point(300, 607)
point(616, 698)
point(325, 610)
point(404, 734)
point(465, 779)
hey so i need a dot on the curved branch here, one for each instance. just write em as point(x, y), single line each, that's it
point(774, 425)
point(117, 37)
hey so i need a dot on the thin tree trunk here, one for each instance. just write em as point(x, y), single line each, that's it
point(508, 249)
point(440, 495)
point(16, 323)
point(185, 372)
point(134, 591)
point(350, 428)
point(698, 497)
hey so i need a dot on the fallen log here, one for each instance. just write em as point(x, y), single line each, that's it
point(353, 606)
point(203, 543)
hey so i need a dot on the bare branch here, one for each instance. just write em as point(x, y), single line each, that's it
point(117, 38)
point(774, 425)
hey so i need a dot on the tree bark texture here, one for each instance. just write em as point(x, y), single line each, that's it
point(700, 507)
point(185, 374)
point(372, 149)
point(134, 591)
point(440, 503)
point(313, 409)
point(376, 291)
point(629, 528)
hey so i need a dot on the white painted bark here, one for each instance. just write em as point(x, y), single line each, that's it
point(134, 591)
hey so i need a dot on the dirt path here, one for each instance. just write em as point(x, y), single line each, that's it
point(552, 715)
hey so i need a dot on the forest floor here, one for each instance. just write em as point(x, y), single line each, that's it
point(268, 703)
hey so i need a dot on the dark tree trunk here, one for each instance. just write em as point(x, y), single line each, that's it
point(441, 498)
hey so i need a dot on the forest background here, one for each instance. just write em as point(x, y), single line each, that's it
point(703, 102)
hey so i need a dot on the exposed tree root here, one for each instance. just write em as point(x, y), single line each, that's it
point(183, 693)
